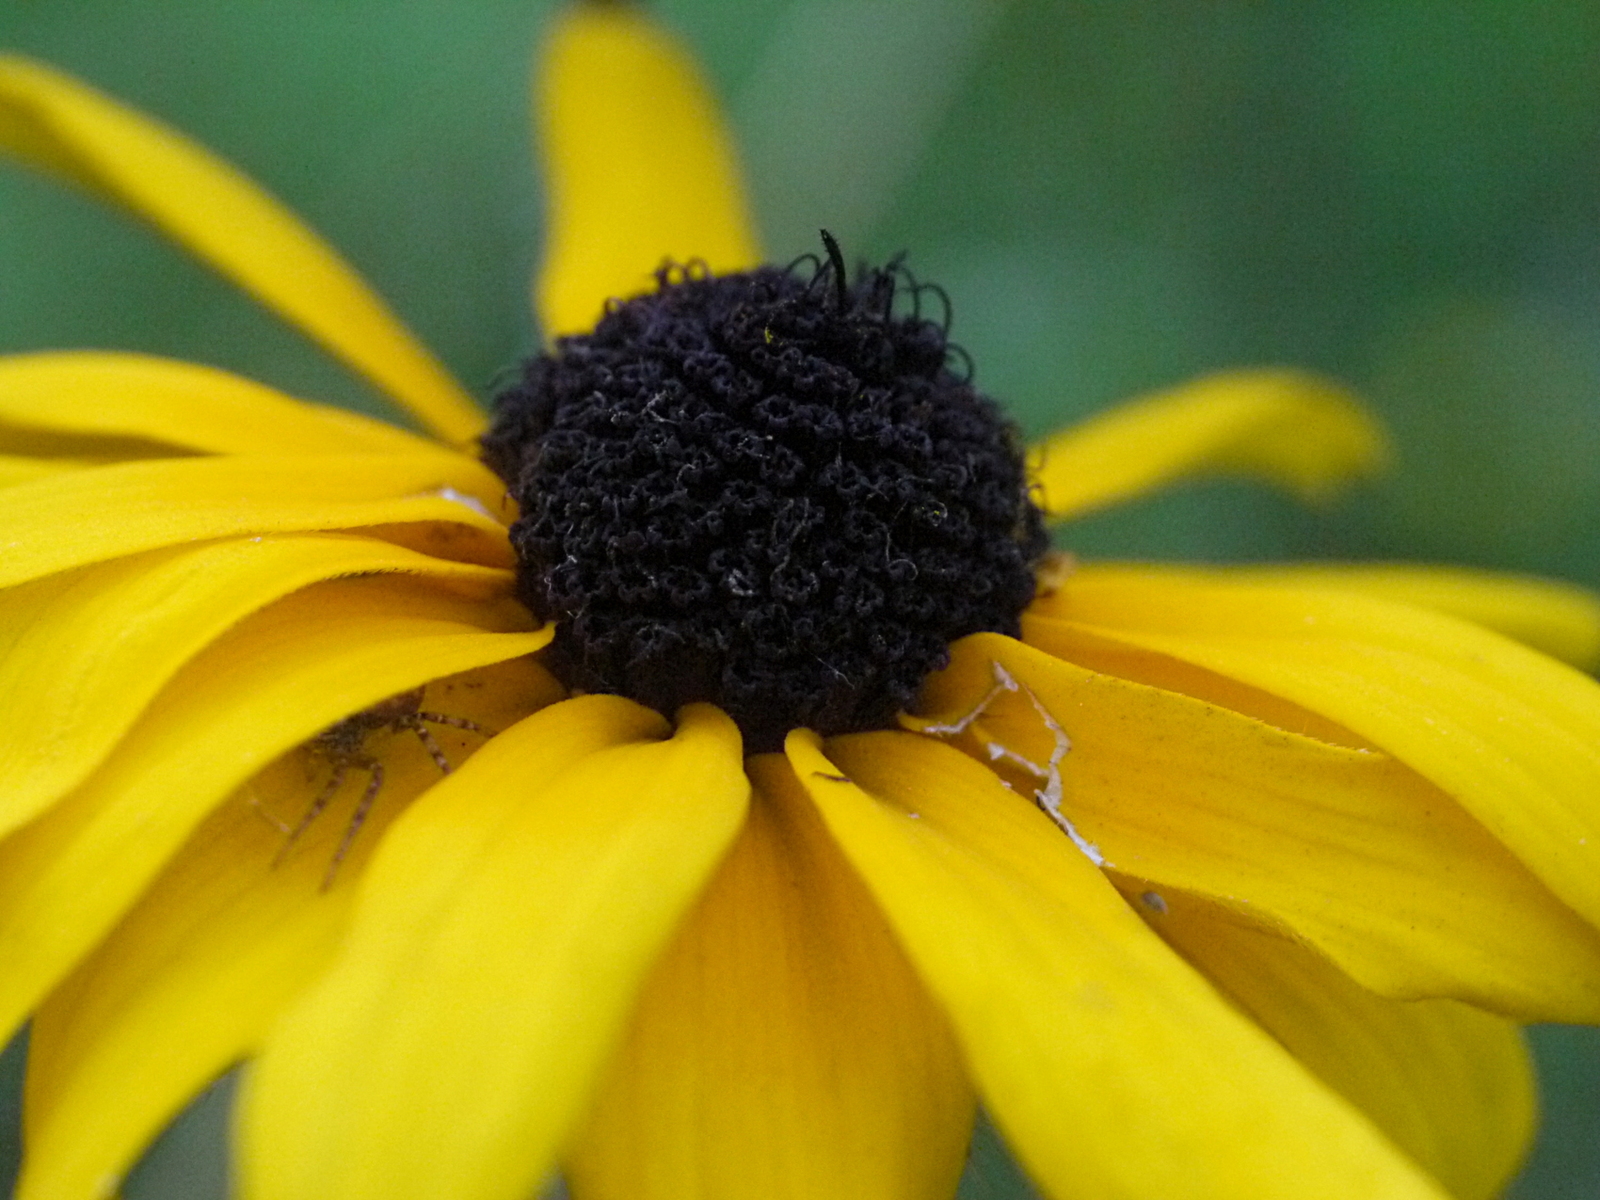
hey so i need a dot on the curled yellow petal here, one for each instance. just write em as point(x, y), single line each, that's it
point(1448, 1084)
point(192, 978)
point(1510, 735)
point(782, 1050)
point(1299, 431)
point(638, 167)
point(186, 405)
point(1349, 848)
point(271, 683)
point(73, 519)
point(501, 937)
point(1112, 1068)
point(58, 124)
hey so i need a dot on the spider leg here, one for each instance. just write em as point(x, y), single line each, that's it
point(432, 747)
point(312, 812)
point(358, 818)
point(260, 809)
point(454, 723)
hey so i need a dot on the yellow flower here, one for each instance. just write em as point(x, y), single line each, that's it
point(1215, 883)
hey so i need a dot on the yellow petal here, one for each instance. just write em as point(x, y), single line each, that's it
point(71, 520)
point(34, 453)
point(190, 981)
point(185, 988)
point(782, 1047)
point(502, 934)
point(1299, 431)
point(277, 679)
point(1449, 1085)
point(637, 165)
point(1559, 619)
point(1077, 644)
point(82, 652)
point(1352, 850)
point(91, 392)
point(21, 468)
point(1512, 736)
point(1113, 1070)
point(62, 126)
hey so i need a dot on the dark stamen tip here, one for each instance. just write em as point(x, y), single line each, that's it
point(836, 260)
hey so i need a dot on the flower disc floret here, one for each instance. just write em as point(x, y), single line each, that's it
point(765, 491)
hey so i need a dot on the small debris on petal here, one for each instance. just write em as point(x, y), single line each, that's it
point(461, 498)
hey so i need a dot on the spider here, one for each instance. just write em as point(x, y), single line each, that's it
point(344, 745)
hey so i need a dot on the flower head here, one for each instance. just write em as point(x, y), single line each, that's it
point(726, 790)
point(764, 490)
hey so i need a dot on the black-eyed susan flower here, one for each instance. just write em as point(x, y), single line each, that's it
point(723, 792)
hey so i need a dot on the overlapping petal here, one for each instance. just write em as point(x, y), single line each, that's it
point(1448, 1084)
point(65, 127)
point(1299, 431)
point(1510, 735)
point(1556, 618)
point(782, 1048)
point(190, 981)
point(82, 517)
point(83, 652)
point(502, 934)
point(1113, 1070)
point(183, 989)
point(1351, 849)
point(638, 167)
point(94, 393)
point(1079, 645)
point(269, 684)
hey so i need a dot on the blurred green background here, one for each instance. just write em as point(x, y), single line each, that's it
point(1402, 193)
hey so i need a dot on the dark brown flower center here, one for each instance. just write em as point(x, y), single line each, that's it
point(766, 491)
